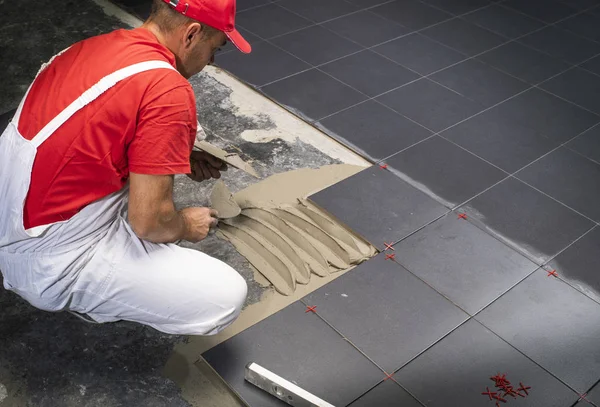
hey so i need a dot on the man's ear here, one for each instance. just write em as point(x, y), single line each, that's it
point(193, 33)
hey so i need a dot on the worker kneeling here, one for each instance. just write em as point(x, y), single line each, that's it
point(87, 219)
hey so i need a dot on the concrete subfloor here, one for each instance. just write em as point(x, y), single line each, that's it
point(54, 359)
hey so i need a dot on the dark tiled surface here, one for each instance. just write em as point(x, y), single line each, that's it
point(593, 65)
point(373, 130)
point(592, 396)
point(587, 144)
point(553, 117)
point(319, 10)
point(524, 62)
point(455, 372)
point(464, 36)
point(430, 104)
point(569, 178)
point(578, 265)
point(562, 44)
point(526, 219)
point(270, 20)
point(505, 143)
point(265, 64)
point(400, 315)
point(547, 320)
point(366, 28)
point(242, 5)
point(504, 21)
point(386, 394)
point(441, 168)
point(316, 45)
point(293, 344)
point(584, 24)
point(370, 73)
point(549, 11)
point(465, 264)
point(577, 86)
point(419, 53)
point(459, 6)
point(313, 94)
point(479, 82)
point(411, 13)
point(396, 209)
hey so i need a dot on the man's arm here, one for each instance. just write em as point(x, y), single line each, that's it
point(152, 213)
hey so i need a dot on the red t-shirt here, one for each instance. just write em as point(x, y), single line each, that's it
point(144, 124)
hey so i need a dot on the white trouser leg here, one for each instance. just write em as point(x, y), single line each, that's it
point(173, 289)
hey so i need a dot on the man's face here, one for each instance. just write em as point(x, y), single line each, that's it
point(201, 51)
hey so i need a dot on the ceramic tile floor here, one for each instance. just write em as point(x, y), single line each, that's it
point(482, 120)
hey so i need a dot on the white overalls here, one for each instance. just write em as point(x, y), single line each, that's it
point(93, 263)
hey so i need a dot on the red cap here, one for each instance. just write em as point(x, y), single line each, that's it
point(219, 14)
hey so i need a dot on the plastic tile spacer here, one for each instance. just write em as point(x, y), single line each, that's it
point(489, 393)
point(311, 309)
point(552, 273)
point(462, 216)
point(383, 166)
point(388, 246)
point(524, 388)
point(390, 256)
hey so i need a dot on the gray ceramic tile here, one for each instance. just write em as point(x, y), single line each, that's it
point(549, 11)
point(400, 316)
point(266, 63)
point(319, 10)
point(316, 45)
point(456, 370)
point(464, 36)
point(524, 62)
point(303, 349)
point(562, 44)
point(313, 94)
point(593, 65)
point(459, 6)
point(368, 3)
point(526, 219)
point(505, 143)
point(462, 262)
point(581, 4)
point(503, 21)
point(553, 117)
point(430, 104)
point(569, 178)
point(420, 53)
point(584, 24)
point(396, 209)
point(480, 82)
point(588, 144)
point(386, 394)
point(578, 86)
point(411, 13)
point(248, 36)
point(370, 73)
point(242, 5)
point(553, 324)
point(578, 265)
point(444, 171)
point(270, 20)
point(373, 130)
point(366, 28)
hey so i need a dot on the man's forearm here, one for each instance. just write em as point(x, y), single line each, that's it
point(167, 228)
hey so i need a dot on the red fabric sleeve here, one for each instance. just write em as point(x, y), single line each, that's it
point(165, 132)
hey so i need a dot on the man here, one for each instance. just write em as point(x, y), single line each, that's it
point(87, 219)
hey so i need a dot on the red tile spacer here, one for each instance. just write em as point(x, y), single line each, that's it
point(462, 216)
point(388, 246)
point(388, 376)
point(582, 397)
point(499, 398)
point(552, 273)
point(489, 393)
point(311, 309)
point(390, 256)
point(383, 166)
point(523, 388)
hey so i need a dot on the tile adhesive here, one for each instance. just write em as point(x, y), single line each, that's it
point(282, 234)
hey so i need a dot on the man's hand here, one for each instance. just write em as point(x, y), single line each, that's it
point(198, 222)
point(205, 166)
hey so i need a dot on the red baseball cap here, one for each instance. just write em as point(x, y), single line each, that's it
point(219, 14)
